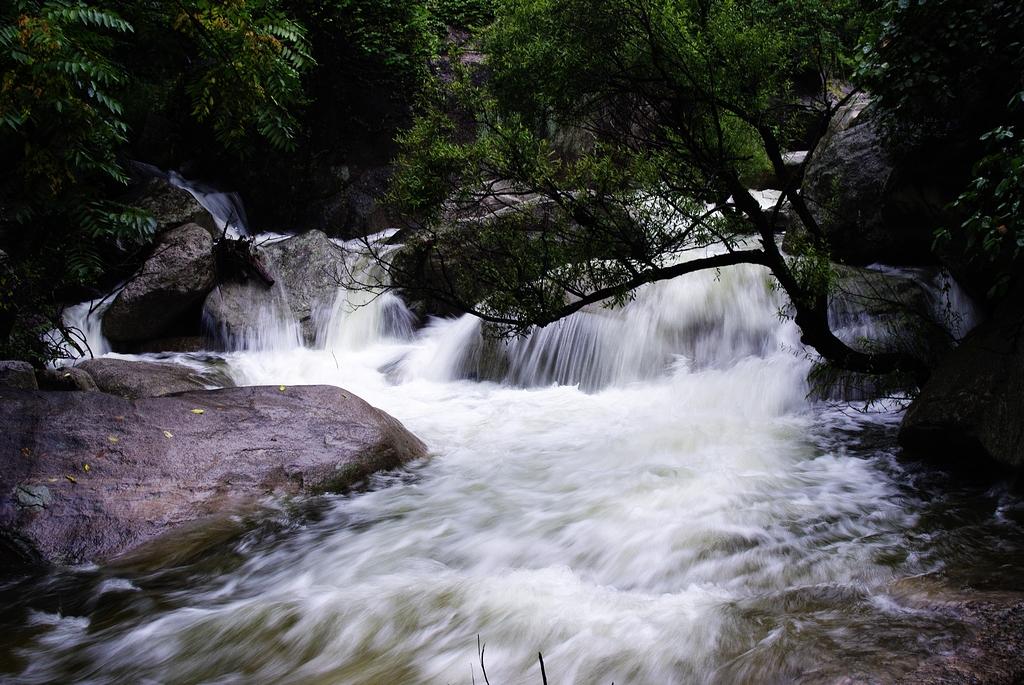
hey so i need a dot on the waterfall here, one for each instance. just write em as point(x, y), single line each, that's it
point(85, 321)
point(226, 208)
point(700, 321)
point(644, 493)
point(369, 313)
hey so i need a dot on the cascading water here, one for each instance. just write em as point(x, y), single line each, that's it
point(226, 208)
point(646, 496)
point(85, 323)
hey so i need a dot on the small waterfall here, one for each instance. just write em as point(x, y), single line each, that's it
point(697, 322)
point(896, 306)
point(355, 315)
point(269, 324)
point(366, 313)
point(85, 320)
point(226, 208)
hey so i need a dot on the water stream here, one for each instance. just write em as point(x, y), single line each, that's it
point(644, 495)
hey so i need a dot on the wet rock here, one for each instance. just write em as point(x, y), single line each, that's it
point(438, 275)
point(993, 653)
point(33, 496)
point(120, 472)
point(135, 379)
point(307, 270)
point(894, 307)
point(867, 203)
point(171, 206)
point(172, 282)
point(15, 374)
point(972, 408)
point(766, 178)
point(67, 378)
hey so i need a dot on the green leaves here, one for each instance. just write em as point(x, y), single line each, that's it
point(253, 61)
point(948, 72)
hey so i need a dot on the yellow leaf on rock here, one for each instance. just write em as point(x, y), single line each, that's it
point(198, 411)
point(85, 467)
point(113, 439)
point(168, 434)
point(281, 388)
point(72, 479)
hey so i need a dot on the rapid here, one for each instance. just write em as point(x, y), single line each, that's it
point(645, 495)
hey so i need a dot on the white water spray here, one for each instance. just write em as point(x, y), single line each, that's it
point(646, 495)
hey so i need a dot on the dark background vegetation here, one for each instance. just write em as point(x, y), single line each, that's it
point(298, 105)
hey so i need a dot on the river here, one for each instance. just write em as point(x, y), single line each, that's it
point(645, 495)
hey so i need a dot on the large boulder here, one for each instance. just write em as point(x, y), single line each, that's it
point(16, 374)
point(973, 405)
point(163, 298)
point(66, 378)
point(871, 206)
point(170, 205)
point(438, 270)
point(135, 379)
point(87, 476)
point(307, 271)
point(890, 310)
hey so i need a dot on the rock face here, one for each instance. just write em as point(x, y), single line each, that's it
point(973, 405)
point(171, 206)
point(172, 282)
point(868, 205)
point(19, 375)
point(134, 379)
point(307, 269)
point(436, 275)
point(157, 463)
point(67, 378)
point(893, 310)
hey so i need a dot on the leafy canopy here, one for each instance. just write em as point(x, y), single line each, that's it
point(950, 73)
point(608, 147)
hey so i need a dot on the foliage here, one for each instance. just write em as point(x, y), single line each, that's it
point(943, 67)
point(364, 40)
point(465, 14)
point(68, 88)
point(671, 105)
point(252, 58)
point(62, 123)
point(951, 73)
point(58, 101)
point(994, 227)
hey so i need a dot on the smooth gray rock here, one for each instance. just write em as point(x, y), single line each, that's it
point(307, 269)
point(436, 273)
point(172, 206)
point(135, 379)
point(973, 405)
point(15, 374)
point(65, 378)
point(857, 194)
point(894, 309)
point(88, 476)
point(173, 280)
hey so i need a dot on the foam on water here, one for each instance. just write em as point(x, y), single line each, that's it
point(643, 494)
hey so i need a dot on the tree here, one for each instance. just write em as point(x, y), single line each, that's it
point(676, 102)
point(72, 77)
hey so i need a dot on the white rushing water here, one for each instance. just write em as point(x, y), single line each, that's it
point(645, 495)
